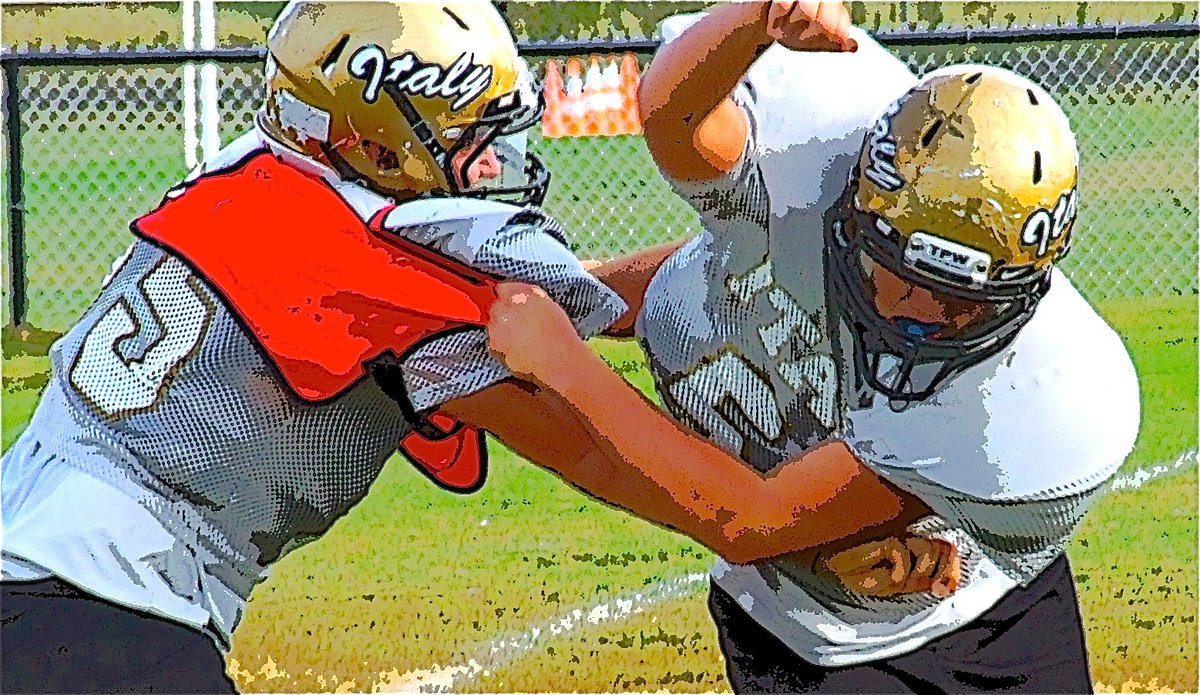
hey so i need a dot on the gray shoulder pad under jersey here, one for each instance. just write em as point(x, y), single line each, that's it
point(522, 244)
point(515, 243)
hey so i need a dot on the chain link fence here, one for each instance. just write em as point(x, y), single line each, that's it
point(101, 143)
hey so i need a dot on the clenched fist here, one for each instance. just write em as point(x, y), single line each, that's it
point(529, 333)
point(810, 26)
point(896, 566)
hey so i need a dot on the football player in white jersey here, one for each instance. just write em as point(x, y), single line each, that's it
point(874, 301)
point(309, 301)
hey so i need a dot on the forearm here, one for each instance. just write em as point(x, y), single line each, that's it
point(694, 73)
point(543, 428)
point(692, 127)
point(824, 496)
point(628, 276)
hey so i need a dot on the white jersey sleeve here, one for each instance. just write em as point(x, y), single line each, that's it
point(1015, 449)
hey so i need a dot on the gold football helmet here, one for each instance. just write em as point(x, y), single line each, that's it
point(965, 186)
point(405, 96)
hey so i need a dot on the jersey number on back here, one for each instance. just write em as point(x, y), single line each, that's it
point(131, 353)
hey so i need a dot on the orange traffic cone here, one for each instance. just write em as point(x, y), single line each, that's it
point(611, 98)
point(629, 120)
point(552, 88)
point(573, 114)
point(593, 99)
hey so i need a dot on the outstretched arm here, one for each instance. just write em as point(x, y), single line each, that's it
point(651, 466)
point(538, 425)
point(629, 276)
point(692, 126)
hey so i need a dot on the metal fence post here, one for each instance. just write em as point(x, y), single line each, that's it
point(16, 191)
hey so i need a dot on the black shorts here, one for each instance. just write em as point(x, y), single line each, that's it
point(57, 639)
point(1032, 641)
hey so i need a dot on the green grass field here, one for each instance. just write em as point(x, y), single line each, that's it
point(415, 581)
point(414, 578)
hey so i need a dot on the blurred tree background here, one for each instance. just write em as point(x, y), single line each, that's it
point(131, 25)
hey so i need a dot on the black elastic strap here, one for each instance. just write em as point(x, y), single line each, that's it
point(390, 378)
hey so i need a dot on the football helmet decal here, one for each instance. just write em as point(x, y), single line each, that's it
point(406, 97)
point(408, 74)
point(966, 186)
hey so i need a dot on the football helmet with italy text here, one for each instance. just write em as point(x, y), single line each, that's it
point(405, 97)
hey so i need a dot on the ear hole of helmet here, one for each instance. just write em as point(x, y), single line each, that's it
point(385, 158)
point(927, 138)
point(330, 61)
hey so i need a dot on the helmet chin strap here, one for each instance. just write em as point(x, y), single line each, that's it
point(903, 377)
point(340, 165)
point(351, 175)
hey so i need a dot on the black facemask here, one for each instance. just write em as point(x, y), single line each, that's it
point(496, 122)
point(907, 360)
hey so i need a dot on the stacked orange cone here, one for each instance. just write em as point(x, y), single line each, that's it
point(552, 118)
point(573, 102)
point(600, 101)
point(593, 99)
point(629, 122)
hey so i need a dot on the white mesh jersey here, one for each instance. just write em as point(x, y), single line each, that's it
point(745, 351)
point(169, 464)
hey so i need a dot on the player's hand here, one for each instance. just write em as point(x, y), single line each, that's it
point(529, 333)
point(896, 566)
point(810, 26)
